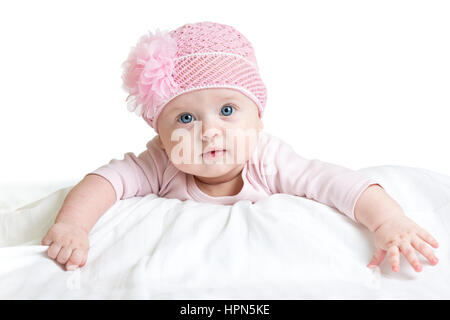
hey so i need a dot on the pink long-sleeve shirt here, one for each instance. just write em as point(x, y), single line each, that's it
point(274, 167)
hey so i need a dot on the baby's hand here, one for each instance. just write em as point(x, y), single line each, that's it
point(402, 235)
point(69, 244)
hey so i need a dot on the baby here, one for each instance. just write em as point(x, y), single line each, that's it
point(199, 88)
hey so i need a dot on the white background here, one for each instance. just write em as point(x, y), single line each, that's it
point(356, 83)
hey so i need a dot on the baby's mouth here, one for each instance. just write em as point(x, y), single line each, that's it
point(213, 154)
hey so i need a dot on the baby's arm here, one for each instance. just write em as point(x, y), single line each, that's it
point(68, 238)
point(354, 194)
point(96, 193)
point(285, 171)
point(394, 232)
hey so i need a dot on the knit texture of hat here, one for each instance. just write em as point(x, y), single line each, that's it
point(195, 56)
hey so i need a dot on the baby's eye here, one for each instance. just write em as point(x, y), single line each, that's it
point(186, 118)
point(227, 110)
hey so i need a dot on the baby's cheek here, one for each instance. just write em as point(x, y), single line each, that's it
point(240, 149)
point(182, 154)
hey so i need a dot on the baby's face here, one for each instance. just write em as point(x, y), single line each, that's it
point(196, 122)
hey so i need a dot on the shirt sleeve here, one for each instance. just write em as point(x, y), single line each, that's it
point(135, 175)
point(330, 184)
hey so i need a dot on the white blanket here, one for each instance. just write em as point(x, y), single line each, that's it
point(282, 247)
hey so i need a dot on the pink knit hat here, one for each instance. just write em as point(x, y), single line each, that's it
point(194, 56)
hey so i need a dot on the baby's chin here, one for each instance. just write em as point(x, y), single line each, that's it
point(208, 170)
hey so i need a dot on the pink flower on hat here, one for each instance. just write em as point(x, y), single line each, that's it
point(147, 75)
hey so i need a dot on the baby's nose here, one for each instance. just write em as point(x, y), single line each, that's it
point(210, 130)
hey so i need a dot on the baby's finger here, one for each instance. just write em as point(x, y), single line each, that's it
point(421, 246)
point(377, 258)
point(84, 260)
point(64, 255)
point(46, 241)
point(53, 250)
point(75, 259)
point(425, 236)
point(408, 251)
point(394, 258)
